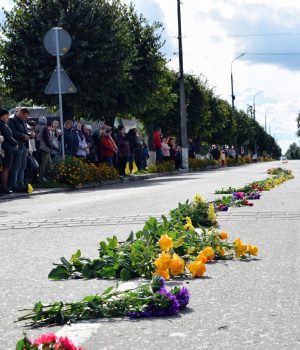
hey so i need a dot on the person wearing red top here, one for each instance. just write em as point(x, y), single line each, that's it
point(107, 147)
point(157, 144)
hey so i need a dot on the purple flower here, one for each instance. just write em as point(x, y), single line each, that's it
point(254, 195)
point(164, 303)
point(238, 195)
point(183, 297)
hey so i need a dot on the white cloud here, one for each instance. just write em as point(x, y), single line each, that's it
point(209, 46)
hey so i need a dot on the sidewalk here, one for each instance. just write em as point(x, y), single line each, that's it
point(41, 191)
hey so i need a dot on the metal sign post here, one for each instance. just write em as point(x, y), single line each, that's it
point(57, 41)
point(61, 117)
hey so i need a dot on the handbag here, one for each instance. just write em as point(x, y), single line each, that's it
point(55, 145)
point(33, 162)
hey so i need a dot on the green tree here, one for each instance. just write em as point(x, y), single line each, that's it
point(114, 61)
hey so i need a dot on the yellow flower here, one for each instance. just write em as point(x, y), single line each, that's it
point(163, 273)
point(240, 248)
point(189, 225)
point(177, 265)
point(252, 249)
point(223, 235)
point(165, 243)
point(163, 261)
point(197, 268)
point(220, 251)
point(198, 199)
point(209, 253)
point(212, 214)
point(201, 257)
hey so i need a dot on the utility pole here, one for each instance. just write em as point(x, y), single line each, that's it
point(184, 143)
point(265, 121)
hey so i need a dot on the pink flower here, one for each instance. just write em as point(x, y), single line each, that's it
point(63, 343)
point(45, 339)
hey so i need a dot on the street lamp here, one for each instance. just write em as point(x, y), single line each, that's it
point(232, 94)
point(258, 93)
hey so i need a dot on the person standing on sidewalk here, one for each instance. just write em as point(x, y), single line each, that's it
point(9, 146)
point(123, 149)
point(157, 145)
point(18, 126)
point(44, 140)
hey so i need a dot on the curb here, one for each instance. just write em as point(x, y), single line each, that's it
point(128, 179)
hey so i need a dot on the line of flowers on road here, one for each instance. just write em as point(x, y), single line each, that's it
point(161, 250)
point(144, 253)
point(147, 299)
point(240, 196)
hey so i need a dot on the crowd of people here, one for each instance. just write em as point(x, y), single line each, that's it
point(29, 148)
point(222, 153)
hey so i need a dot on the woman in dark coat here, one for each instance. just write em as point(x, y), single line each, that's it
point(9, 145)
point(123, 149)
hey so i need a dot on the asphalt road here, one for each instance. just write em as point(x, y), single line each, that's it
point(238, 305)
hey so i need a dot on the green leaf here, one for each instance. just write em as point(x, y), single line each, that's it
point(75, 256)
point(66, 263)
point(108, 290)
point(106, 272)
point(60, 272)
point(126, 275)
point(88, 271)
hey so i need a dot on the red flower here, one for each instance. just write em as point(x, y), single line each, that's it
point(45, 339)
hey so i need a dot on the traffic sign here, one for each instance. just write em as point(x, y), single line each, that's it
point(67, 87)
point(64, 41)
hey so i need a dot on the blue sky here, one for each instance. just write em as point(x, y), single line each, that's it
point(216, 32)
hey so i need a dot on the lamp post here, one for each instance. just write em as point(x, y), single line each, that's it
point(258, 93)
point(231, 76)
point(184, 142)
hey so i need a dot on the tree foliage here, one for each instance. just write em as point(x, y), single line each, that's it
point(114, 61)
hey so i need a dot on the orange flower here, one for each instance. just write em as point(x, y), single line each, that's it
point(252, 250)
point(223, 235)
point(240, 248)
point(220, 251)
point(163, 261)
point(163, 273)
point(197, 268)
point(209, 253)
point(177, 265)
point(201, 257)
point(165, 243)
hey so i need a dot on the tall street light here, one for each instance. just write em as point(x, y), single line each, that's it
point(231, 75)
point(258, 93)
point(184, 142)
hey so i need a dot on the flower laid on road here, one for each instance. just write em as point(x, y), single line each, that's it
point(147, 299)
point(242, 249)
point(165, 243)
point(188, 226)
point(177, 265)
point(223, 235)
point(279, 176)
point(197, 268)
point(47, 342)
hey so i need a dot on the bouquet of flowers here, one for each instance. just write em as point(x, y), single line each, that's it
point(48, 342)
point(148, 299)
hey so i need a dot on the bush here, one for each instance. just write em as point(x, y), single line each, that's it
point(232, 162)
point(248, 159)
point(163, 167)
point(196, 164)
point(74, 171)
point(241, 161)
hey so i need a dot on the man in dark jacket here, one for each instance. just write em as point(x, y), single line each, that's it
point(18, 126)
